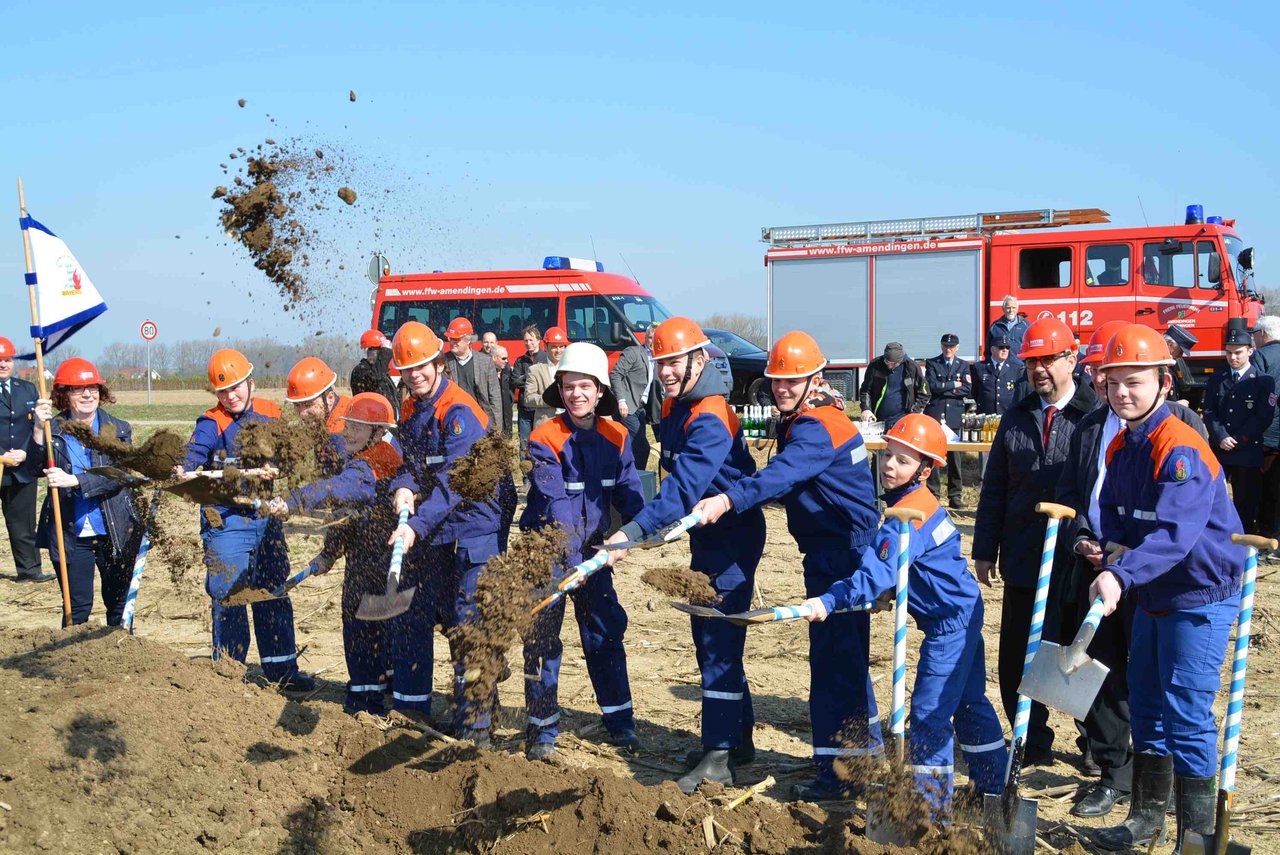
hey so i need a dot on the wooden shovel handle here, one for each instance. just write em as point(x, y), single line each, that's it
point(1053, 509)
point(904, 514)
point(1256, 541)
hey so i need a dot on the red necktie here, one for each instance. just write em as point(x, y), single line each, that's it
point(1049, 412)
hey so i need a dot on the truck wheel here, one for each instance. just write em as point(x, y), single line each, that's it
point(753, 390)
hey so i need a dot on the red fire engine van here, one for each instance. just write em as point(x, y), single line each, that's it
point(571, 293)
point(858, 286)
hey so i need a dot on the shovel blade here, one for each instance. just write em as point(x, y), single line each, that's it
point(1197, 844)
point(385, 606)
point(248, 596)
point(752, 617)
point(1015, 835)
point(697, 611)
point(1072, 692)
point(880, 826)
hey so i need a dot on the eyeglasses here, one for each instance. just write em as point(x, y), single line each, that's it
point(1044, 361)
point(92, 391)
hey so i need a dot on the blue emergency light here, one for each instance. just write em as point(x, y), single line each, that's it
point(564, 262)
point(1195, 215)
point(1214, 221)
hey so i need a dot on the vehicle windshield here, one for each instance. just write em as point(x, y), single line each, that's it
point(640, 311)
point(732, 344)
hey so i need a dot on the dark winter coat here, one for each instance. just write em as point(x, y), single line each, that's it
point(914, 394)
point(374, 378)
point(1242, 409)
point(1267, 358)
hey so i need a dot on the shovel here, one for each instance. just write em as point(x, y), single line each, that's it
point(664, 535)
point(880, 825)
point(241, 594)
point(1220, 842)
point(394, 602)
point(139, 564)
point(1066, 678)
point(1011, 820)
point(778, 613)
point(575, 578)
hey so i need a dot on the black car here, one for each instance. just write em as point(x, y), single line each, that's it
point(747, 362)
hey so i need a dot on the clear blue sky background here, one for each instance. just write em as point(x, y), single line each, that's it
point(669, 135)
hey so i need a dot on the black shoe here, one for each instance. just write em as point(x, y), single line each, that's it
point(1152, 786)
point(1088, 765)
point(1098, 800)
point(38, 576)
point(819, 792)
point(743, 754)
point(1033, 756)
point(298, 682)
point(543, 751)
point(956, 504)
point(625, 739)
point(716, 767)
point(1196, 805)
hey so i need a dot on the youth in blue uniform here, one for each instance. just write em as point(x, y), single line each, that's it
point(704, 454)
point(362, 488)
point(951, 676)
point(238, 544)
point(1164, 504)
point(582, 467)
point(821, 475)
point(448, 540)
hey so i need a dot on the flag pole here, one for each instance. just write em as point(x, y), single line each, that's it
point(48, 429)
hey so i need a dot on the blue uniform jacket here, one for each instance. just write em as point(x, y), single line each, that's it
point(433, 435)
point(821, 475)
point(703, 454)
point(214, 438)
point(1165, 498)
point(355, 485)
point(941, 592)
point(578, 474)
point(996, 388)
point(1241, 409)
point(16, 425)
point(948, 386)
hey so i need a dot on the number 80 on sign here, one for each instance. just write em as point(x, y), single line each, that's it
point(149, 330)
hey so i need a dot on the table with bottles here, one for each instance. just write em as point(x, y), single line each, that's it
point(759, 428)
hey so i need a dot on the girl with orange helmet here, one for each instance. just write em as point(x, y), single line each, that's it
point(100, 525)
point(240, 546)
point(821, 475)
point(949, 699)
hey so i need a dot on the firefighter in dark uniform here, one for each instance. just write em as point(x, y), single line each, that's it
point(1180, 342)
point(999, 381)
point(947, 378)
point(1238, 406)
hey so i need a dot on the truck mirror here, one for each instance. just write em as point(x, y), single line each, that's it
point(1215, 269)
point(617, 332)
point(1245, 259)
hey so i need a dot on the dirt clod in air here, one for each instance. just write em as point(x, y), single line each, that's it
point(219, 192)
point(241, 102)
point(682, 584)
point(217, 331)
point(347, 195)
point(293, 445)
point(352, 95)
point(155, 458)
point(475, 475)
point(258, 216)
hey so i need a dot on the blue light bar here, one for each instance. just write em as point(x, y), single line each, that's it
point(1195, 215)
point(564, 262)
point(1215, 221)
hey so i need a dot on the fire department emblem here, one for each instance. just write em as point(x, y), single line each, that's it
point(456, 427)
point(884, 550)
point(1119, 349)
point(1181, 468)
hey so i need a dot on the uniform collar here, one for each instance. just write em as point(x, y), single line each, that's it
point(892, 497)
point(1144, 430)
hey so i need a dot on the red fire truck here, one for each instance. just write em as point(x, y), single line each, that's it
point(857, 286)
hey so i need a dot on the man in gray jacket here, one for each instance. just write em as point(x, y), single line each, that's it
point(632, 382)
point(479, 377)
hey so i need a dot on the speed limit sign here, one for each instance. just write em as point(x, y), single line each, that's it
point(149, 331)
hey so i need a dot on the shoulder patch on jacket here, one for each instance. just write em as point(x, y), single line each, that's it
point(614, 432)
point(838, 425)
point(717, 406)
point(553, 433)
point(382, 458)
point(1174, 441)
point(455, 396)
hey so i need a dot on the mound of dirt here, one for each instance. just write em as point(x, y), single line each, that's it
point(155, 458)
point(475, 475)
point(683, 584)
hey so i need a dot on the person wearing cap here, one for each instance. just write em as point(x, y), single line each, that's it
point(541, 375)
point(361, 490)
point(240, 545)
point(1239, 405)
point(582, 469)
point(1025, 464)
point(948, 382)
point(310, 388)
point(100, 527)
point(18, 482)
point(373, 372)
point(447, 540)
point(534, 353)
point(1000, 380)
point(704, 454)
point(892, 386)
point(1010, 326)
point(1167, 521)
point(1180, 342)
point(477, 377)
point(949, 698)
point(821, 476)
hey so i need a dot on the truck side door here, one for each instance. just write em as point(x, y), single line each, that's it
point(1045, 283)
point(1108, 293)
point(1169, 292)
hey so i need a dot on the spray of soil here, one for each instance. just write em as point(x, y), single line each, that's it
point(682, 584)
point(155, 458)
point(475, 475)
point(293, 445)
point(505, 595)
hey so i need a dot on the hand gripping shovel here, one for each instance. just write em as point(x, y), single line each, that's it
point(772, 615)
point(1065, 678)
point(394, 602)
point(139, 564)
point(1220, 842)
point(880, 825)
point(1011, 820)
point(241, 594)
point(663, 536)
point(575, 578)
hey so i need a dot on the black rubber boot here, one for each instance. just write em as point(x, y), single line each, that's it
point(1152, 786)
point(716, 767)
point(743, 753)
point(1196, 807)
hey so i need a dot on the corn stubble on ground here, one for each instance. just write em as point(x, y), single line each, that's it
point(682, 583)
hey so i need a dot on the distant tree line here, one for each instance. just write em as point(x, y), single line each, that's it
point(189, 359)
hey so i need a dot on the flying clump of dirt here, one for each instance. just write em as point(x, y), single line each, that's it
point(259, 215)
point(155, 458)
point(475, 475)
point(347, 195)
point(682, 583)
point(291, 444)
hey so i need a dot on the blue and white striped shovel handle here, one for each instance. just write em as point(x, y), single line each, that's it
point(139, 565)
point(1240, 659)
point(397, 551)
point(581, 571)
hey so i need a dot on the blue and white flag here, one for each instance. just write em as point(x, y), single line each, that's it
point(65, 297)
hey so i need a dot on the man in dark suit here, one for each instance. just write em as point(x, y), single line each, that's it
point(1000, 380)
point(1239, 402)
point(632, 382)
point(502, 362)
point(18, 488)
point(948, 379)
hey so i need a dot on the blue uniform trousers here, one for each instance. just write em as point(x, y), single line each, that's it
point(842, 704)
point(253, 549)
point(1175, 663)
point(949, 699)
point(602, 624)
point(730, 557)
point(365, 642)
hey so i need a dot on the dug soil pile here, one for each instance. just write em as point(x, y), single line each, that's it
point(117, 743)
point(683, 584)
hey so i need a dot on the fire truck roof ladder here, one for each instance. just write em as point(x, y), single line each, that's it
point(933, 227)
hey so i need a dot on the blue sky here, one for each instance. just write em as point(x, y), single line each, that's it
point(669, 135)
